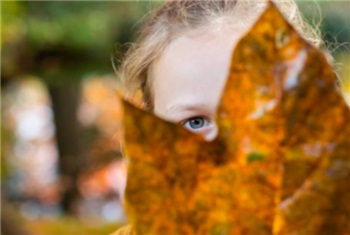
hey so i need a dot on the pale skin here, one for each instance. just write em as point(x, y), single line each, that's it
point(189, 77)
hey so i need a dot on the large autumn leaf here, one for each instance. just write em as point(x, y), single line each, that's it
point(281, 162)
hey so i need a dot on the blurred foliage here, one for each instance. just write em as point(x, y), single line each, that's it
point(332, 18)
point(336, 25)
point(6, 141)
point(65, 40)
point(60, 43)
point(69, 226)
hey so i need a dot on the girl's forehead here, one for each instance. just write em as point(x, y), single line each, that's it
point(216, 26)
point(192, 71)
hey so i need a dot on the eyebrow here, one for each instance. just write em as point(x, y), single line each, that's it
point(190, 107)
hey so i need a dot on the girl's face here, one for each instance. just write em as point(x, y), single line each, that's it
point(188, 78)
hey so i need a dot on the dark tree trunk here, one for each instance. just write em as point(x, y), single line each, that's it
point(65, 101)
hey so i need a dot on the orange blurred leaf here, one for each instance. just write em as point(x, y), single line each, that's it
point(281, 162)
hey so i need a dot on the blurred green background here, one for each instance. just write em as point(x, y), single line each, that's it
point(61, 166)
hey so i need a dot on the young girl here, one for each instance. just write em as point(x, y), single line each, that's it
point(181, 58)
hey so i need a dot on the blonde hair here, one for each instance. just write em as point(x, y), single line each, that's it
point(178, 16)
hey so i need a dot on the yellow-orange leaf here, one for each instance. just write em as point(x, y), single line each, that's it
point(281, 162)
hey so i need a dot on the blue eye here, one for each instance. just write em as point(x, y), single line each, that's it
point(195, 123)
